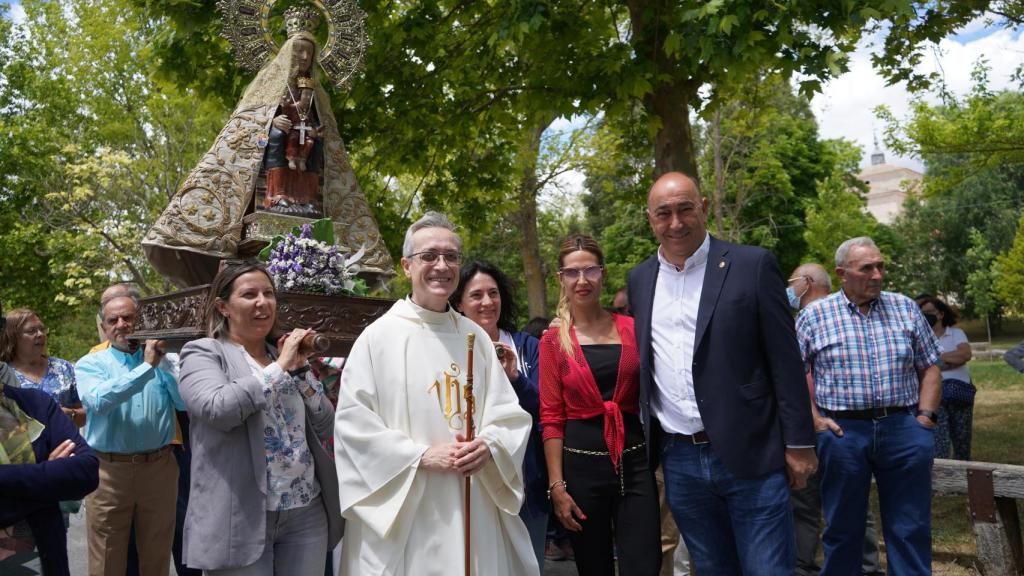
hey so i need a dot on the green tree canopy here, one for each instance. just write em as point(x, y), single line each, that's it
point(94, 148)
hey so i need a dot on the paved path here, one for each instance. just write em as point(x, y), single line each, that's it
point(77, 559)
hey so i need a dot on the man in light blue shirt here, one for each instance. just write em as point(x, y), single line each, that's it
point(130, 400)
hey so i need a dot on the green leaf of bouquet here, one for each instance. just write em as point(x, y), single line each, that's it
point(323, 230)
point(265, 253)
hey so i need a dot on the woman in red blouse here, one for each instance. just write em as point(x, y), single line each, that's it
point(601, 486)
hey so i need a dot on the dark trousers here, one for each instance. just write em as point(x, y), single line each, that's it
point(807, 518)
point(184, 458)
point(954, 429)
point(628, 522)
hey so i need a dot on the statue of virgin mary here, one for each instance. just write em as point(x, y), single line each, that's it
point(244, 188)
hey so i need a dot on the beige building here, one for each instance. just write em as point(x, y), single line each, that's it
point(887, 187)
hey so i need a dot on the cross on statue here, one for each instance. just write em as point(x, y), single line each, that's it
point(302, 128)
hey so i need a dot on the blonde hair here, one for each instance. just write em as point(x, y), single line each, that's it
point(574, 243)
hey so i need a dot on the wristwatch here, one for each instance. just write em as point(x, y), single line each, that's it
point(929, 415)
point(298, 372)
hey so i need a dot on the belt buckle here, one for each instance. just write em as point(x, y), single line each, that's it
point(883, 412)
point(137, 458)
point(692, 439)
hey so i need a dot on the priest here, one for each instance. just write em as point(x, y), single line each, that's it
point(400, 434)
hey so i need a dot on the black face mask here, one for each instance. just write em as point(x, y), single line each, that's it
point(931, 318)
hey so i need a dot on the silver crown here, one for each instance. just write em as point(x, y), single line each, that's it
point(300, 19)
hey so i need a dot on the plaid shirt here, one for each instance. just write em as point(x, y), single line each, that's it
point(871, 360)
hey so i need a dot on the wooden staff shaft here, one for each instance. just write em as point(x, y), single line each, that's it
point(470, 434)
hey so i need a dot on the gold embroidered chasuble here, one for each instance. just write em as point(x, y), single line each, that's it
point(402, 391)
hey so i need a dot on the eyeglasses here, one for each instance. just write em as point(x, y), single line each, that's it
point(431, 256)
point(37, 330)
point(591, 273)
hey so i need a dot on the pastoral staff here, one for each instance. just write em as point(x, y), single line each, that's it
point(400, 433)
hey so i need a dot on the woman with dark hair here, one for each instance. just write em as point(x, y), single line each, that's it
point(264, 494)
point(956, 412)
point(485, 296)
point(24, 350)
point(43, 460)
point(601, 484)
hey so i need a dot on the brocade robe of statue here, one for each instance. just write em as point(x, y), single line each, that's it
point(204, 221)
point(402, 392)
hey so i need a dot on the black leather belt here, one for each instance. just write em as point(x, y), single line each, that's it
point(138, 458)
point(698, 438)
point(868, 413)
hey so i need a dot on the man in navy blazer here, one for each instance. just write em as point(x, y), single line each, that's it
point(723, 396)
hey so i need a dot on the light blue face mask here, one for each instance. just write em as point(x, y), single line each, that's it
point(794, 298)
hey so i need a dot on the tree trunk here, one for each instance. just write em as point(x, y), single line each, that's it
point(529, 251)
point(670, 99)
point(525, 216)
point(673, 144)
point(718, 193)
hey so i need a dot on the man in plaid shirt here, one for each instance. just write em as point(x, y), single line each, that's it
point(876, 388)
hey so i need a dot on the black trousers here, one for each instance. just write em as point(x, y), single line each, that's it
point(627, 523)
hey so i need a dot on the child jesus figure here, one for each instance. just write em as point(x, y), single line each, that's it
point(302, 132)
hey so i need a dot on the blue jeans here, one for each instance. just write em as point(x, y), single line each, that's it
point(898, 451)
point(730, 525)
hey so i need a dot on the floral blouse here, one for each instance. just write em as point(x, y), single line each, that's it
point(58, 382)
point(291, 479)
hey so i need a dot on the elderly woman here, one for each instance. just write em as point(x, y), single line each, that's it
point(485, 296)
point(24, 350)
point(602, 487)
point(264, 493)
point(956, 412)
point(43, 460)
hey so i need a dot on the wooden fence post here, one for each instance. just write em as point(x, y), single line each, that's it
point(996, 525)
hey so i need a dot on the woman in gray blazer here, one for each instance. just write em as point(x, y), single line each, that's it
point(264, 493)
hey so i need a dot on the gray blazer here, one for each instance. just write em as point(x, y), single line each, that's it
point(225, 525)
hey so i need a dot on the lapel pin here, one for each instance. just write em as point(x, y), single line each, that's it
point(721, 264)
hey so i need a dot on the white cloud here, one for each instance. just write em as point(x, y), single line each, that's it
point(16, 12)
point(844, 108)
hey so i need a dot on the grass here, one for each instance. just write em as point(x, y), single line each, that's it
point(1011, 332)
point(997, 424)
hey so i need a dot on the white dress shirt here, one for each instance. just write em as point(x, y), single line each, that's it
point(673, 330)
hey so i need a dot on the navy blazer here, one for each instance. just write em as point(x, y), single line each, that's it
point(32, 492)
point(747, 373)
point(527, 387)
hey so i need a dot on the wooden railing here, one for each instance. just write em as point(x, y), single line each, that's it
point(992, 492)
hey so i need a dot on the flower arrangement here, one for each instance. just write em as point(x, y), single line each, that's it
point(307, 260)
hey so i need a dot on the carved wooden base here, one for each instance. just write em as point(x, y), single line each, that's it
point(177, 317)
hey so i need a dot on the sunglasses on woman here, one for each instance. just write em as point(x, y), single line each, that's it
point(591, 273)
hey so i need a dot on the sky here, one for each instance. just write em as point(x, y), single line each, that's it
point(17, 13)
point(845, 107)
